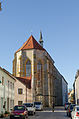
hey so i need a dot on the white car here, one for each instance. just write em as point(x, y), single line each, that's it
point(38, 105)
point(75, 113)
point(30, 107)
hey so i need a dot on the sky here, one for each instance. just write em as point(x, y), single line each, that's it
point(57, 19)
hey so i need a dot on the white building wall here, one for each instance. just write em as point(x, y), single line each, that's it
point(77, 90)
point(75, 93)
point(19, 97)
point(6, 91)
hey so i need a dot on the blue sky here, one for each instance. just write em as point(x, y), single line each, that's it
point(57, 19)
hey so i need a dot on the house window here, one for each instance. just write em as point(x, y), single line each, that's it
point(13, 86)
point(20, 102)
point(8, 84)
point(2, 80)
point(20, 91)
point(28, 68)
point(11, 104)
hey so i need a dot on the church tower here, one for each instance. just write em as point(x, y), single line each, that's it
point(41, 41)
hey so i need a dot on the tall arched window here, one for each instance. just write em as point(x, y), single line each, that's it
point(39, 70)
point(28, 68)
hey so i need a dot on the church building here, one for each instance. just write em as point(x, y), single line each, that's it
point(34, 67)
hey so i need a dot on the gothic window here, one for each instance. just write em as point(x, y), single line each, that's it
point(39, 70)
point(28, 68)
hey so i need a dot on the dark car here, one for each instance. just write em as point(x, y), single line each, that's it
point(70, 109)
point(19, 112)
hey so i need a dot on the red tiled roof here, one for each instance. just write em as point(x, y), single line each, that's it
point(26, 81)
point(31, 43)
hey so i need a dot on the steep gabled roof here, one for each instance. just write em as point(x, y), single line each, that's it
point(31, 43)
point(25, 80)
point(8, 73)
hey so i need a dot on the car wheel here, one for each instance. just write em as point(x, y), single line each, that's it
point(26, 116)
point(32, 113)
point(10, 117)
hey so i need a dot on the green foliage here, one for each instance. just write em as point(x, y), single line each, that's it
point(6, 112)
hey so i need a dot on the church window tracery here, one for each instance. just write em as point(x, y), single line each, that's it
point(28, 68)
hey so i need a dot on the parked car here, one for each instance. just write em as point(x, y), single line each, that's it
point(30, 107)
point(66, 105)
point(38, 105)
point(70, 109)
point(75, 113)
point(19, 112)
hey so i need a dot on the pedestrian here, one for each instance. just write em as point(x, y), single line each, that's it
point(53, 105)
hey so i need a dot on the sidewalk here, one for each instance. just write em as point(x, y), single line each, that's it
point(47, 109)
point(57, 108)
point(5, 118)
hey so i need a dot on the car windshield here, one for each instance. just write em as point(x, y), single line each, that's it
point(77, 108)
point(37, 103)
point(19, 108)
point(28, 104)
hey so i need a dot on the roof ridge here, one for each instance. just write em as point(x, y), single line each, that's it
point(27, 41)
point(8, 73)
point(31, 43)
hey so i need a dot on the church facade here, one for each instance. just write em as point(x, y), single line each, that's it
point(34, 66)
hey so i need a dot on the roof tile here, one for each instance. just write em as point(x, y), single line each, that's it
point(25, 80)
point(31, 43)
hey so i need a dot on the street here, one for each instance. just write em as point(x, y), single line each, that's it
point(59, 113)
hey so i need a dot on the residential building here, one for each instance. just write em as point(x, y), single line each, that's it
point(71, 96)
point(22, 91)
point(33, 64)
point(6, 90)
point(76, 88)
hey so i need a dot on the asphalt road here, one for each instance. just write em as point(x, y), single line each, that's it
point(59, 113)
